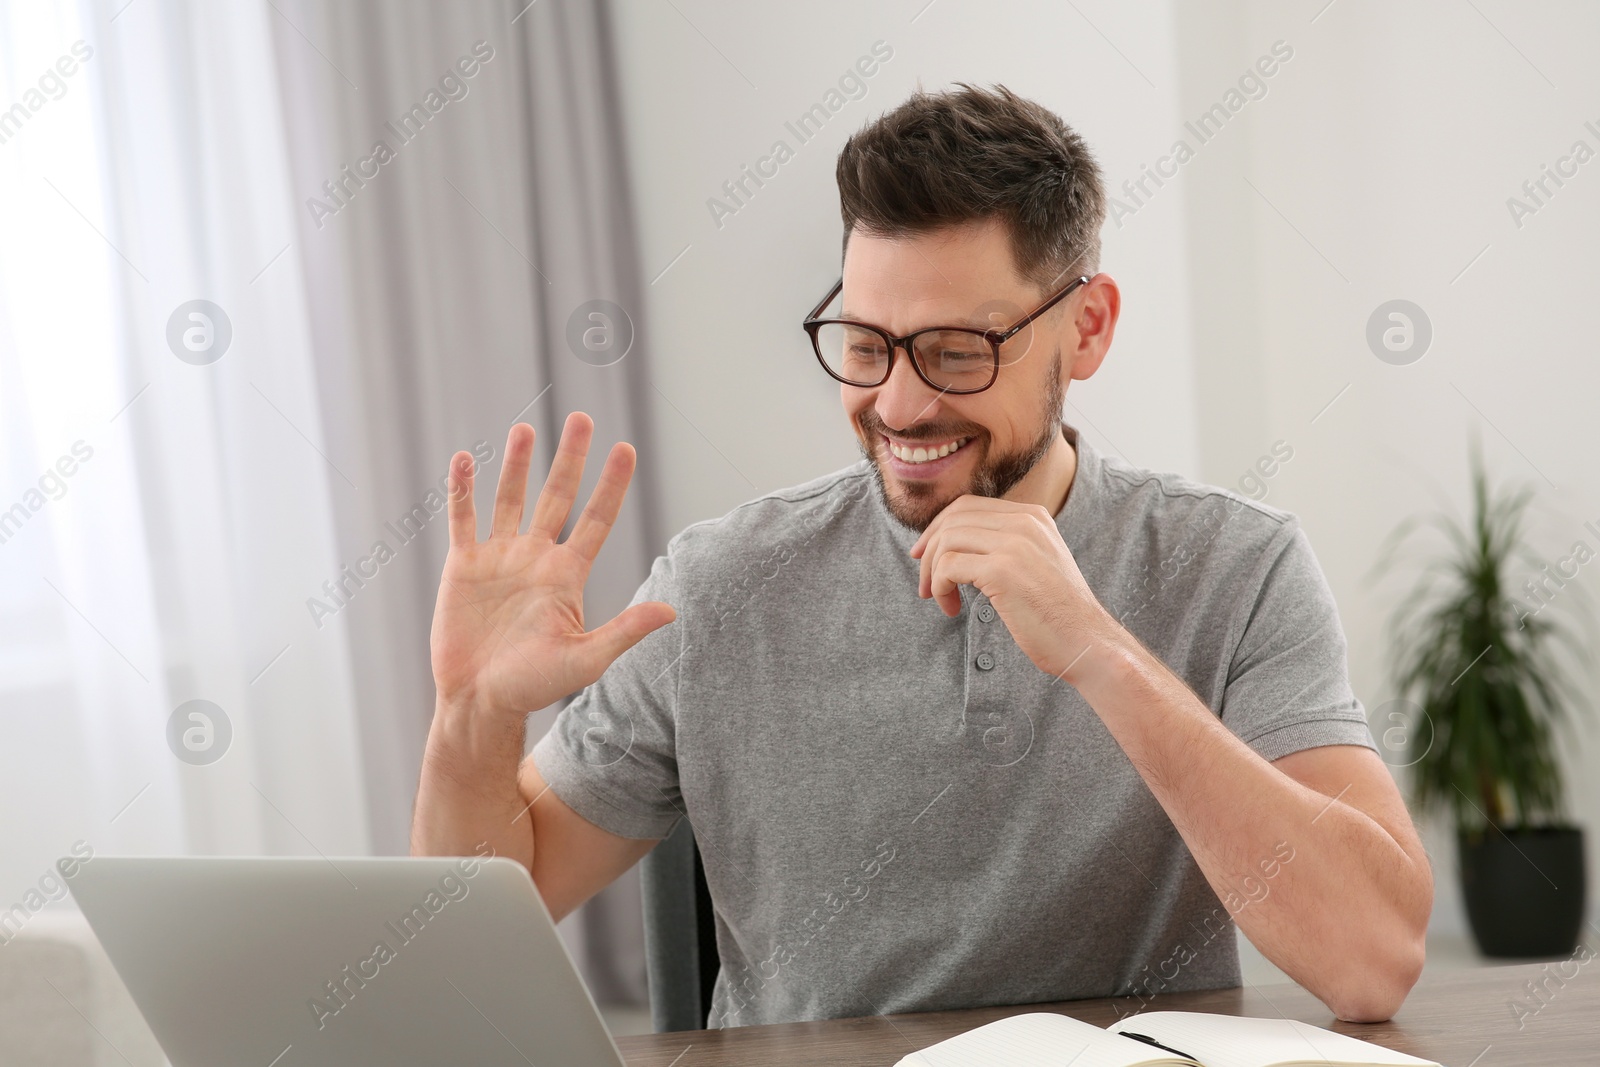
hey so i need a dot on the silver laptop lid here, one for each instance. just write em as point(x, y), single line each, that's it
point(404, 962)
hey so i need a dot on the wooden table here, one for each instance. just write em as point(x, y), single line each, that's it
point(1458, 1018)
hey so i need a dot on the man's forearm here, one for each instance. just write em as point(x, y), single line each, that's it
point(469, 790)
point(1345, 918)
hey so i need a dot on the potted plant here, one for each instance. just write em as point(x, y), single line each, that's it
point(1475, 662)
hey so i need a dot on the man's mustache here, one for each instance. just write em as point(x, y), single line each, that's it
point(877, 426)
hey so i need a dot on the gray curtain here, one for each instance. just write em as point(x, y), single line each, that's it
point(451, 290)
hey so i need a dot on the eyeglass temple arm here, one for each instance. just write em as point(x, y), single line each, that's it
point(1041, 309)
point(838, 285)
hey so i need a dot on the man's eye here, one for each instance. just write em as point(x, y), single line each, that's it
point(954, 351)
point(960, 361)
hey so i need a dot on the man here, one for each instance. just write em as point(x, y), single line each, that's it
point(987, 717)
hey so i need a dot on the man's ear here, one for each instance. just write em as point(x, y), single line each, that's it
point(1095, 322)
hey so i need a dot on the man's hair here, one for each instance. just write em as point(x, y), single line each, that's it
point(969, 154)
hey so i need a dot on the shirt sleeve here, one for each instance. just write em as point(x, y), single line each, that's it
point(1288, 685)
point(611, 753)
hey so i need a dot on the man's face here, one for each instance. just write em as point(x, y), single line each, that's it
point(960, 276)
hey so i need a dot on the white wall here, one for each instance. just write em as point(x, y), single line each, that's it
point(1393, 145)
point(1376, 166)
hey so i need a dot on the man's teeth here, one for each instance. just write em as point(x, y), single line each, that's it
point(923, 455)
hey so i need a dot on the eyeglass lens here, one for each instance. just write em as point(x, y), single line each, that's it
point(950, 359)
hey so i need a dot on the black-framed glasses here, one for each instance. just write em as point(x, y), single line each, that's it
point(951, 359)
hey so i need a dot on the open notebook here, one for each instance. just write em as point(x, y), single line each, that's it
point(1154, 1039)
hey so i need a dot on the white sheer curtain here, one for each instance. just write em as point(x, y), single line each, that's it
point(225, 490)
point(172, 564)
point(442, 290)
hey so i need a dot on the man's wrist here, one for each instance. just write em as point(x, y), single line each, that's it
point(1096, 659)
point(465, 726)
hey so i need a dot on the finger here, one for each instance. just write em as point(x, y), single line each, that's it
point(592, 527)
point(950, 573)
point(513, 486)
point(928, 559)
point(953, 512)
point(566, 471)
point(920, 549)
point(975, 540)
point(925, 561)
point(463, 515)
point(980, 512)
point(959, 560)
point(631, 626)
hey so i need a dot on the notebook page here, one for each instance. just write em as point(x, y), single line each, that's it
point(1230, 1041)
point(1039, 1039)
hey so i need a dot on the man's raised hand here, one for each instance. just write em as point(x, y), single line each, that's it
point(508, 633)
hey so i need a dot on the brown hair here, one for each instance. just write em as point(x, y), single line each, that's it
point(968, 154)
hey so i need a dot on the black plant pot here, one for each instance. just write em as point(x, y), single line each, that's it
point(1524, 889)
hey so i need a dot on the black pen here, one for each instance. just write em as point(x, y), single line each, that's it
point(1157, 1044)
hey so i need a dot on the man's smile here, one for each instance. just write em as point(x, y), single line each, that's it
point(922, 459)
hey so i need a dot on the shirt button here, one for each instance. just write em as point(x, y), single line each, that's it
point(986, 613)
point(985, 661)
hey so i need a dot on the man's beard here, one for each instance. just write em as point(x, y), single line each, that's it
point(995, 476)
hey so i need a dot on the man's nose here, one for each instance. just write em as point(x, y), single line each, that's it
point(905, 399)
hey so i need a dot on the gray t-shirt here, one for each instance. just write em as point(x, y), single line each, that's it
point(898, 811)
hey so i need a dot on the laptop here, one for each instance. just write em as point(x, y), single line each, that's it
point(307, 962)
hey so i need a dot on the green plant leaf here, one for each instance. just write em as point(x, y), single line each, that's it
point(1480, 663)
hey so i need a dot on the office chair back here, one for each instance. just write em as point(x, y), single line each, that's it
point(680, 937)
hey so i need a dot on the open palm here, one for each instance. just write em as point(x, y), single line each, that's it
point(508, 630)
